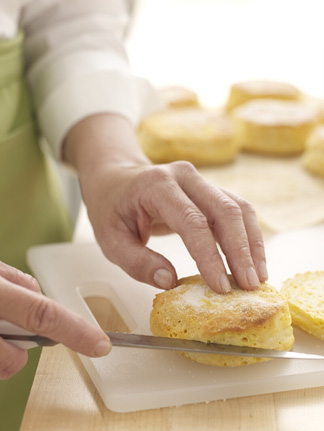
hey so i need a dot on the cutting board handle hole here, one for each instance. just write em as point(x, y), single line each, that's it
point(106, 314)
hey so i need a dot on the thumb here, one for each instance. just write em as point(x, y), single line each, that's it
point(140, 262)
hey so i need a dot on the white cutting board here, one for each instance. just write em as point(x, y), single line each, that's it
point(136, 379)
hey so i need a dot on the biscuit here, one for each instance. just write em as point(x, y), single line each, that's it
point(273, 127)
point(200, 136)
point(317, 103)
point(179, 97)
point(305, 296)
point(193, 311)
point(242, 92)
point(313, 157)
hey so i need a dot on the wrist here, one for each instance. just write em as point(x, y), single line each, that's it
point(102, 140)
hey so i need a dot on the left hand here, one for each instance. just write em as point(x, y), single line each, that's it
point(127, 202)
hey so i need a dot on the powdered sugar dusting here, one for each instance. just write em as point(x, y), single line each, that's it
point(201, 298)
point(192, 297)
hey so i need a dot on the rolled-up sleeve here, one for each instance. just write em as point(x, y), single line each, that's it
point(77, 65)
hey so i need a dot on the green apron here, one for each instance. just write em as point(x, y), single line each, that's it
point(32, 210)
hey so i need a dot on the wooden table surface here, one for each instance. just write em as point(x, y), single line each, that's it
point(63, 397)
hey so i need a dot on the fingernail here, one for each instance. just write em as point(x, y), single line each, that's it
point(163, 278)
point(102, 348)
point(262, 269)
point(252, 277)
point(225, 283)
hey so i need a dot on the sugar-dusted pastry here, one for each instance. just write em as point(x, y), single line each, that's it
point(200, 136)
point(274, 127)
point(193, 311)
point(242, 92)
point(179, 97)
point(305, 296)
point(313, 157)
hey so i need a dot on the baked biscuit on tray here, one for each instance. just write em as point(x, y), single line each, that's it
point(313, 157)
point(193, 311)
point(273, 127)
point(179, 97)
point(244, 91)
point(200, 136)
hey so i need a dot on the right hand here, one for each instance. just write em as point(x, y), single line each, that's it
point(22, 304)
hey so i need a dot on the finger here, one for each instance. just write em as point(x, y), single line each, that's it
point(12, 359)
point(169, 203)
point(18, 277)
point(138, 261)
point(225, 217)
point(45, 317)
point(254, 235)
point(190, 223)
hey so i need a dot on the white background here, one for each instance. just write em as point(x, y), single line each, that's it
point(209, 44)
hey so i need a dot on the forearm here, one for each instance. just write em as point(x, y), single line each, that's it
point(102, 141)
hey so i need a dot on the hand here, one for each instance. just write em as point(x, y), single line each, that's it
point(22, 304)
point(127, 205)
point(128, 199)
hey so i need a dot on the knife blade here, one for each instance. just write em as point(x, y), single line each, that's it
point(122, 339)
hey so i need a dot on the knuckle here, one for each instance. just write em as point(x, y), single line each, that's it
point(30, 279)
point(244, 248)
point(193, 218)
point(238, 248)
point(247, 207)
point(184, 171)
point(184, 166)
point(43, 317)
point(231, 209)
point(17, 276)
point(155, 175)
point(258, 243)
point(150, 183)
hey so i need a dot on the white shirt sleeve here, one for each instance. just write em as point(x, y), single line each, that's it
point(77, 65)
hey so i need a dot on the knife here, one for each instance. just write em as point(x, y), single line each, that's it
point(152, 342)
